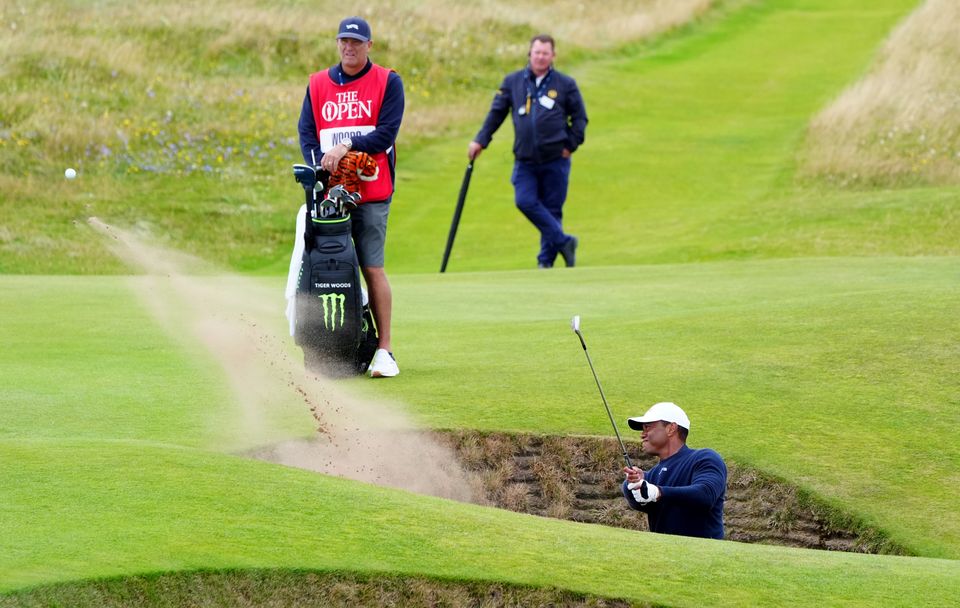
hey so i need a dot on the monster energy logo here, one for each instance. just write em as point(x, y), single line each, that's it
point(331, 302)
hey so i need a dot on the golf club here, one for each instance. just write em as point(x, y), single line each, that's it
point(456, 215)
point(575, 325)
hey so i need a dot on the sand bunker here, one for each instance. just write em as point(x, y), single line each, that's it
point(239, 321)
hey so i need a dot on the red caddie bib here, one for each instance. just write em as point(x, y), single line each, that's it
point(349, 110)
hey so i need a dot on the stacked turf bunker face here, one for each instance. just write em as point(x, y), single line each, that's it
point(333, 324)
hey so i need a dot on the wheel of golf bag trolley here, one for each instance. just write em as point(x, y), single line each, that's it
point(329, 301)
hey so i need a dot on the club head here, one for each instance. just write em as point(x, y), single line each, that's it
point(575, 324)
point(328, 209)
point(305, 176)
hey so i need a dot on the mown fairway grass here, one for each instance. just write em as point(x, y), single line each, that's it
point(785, 318)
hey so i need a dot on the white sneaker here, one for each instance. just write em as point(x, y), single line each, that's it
point(383, 365)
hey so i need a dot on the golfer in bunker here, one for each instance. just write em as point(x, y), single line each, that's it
point(684, 492)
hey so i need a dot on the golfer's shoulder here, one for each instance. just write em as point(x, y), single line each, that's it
point(707, 455)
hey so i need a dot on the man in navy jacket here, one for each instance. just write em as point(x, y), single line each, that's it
point(684, 492)
point(549, 123)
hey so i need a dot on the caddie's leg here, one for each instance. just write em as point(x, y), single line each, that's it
point(369, 222)
point(527, 199)
point(381, 302)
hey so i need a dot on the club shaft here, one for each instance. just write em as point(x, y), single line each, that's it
point(623, 448)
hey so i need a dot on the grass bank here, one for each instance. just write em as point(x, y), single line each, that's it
point(898, 124)
point(128, 509)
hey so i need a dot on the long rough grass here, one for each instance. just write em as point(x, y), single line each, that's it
point(175, 87)
point(900, 124)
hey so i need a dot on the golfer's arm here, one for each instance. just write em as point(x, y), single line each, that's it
point(708, 484)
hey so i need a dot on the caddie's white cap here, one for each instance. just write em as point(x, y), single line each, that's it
point(666, 411)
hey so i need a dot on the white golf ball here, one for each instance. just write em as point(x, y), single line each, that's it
point(70, 173)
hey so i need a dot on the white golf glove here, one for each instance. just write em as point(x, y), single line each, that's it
point(637, 489)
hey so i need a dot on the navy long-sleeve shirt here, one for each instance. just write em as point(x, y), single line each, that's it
point(547, 117)
point(380, 139)
point(693, 486)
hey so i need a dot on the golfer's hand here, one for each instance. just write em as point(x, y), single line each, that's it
point(331, 158)
point(637, 489)
point(567, 153)
point(473, 150)
point(634, 474)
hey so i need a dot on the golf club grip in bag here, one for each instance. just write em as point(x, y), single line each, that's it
point(333, 326)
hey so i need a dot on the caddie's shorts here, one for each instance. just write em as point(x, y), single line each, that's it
point(370, 232)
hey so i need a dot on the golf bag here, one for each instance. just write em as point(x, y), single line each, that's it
point(331, 321)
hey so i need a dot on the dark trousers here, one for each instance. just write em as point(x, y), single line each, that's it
point(539, 192)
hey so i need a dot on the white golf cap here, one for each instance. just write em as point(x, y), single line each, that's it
point(666, 411)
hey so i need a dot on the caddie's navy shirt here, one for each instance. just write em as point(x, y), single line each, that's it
point(693, 486)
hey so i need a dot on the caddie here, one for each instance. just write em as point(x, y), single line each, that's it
point(358, 105)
